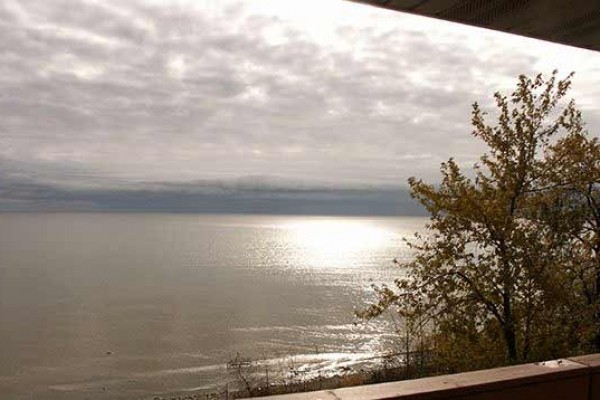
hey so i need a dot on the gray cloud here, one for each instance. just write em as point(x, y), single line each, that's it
point(102, 97)
point(241, 196)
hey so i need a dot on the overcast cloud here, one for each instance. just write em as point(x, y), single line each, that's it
point(105, 101)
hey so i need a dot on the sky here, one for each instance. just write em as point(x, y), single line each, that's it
point(313, 106)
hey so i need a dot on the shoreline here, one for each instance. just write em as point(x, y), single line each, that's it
point(250, 383)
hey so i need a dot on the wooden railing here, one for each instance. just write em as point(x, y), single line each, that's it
point(576, 378)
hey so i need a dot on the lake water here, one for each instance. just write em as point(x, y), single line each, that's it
point(132, 306)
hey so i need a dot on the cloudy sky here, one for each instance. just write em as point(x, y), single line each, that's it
point(245, 105)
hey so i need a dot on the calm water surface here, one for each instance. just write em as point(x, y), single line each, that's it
point(110, 306)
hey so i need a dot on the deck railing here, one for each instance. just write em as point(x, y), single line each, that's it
point(576, 378)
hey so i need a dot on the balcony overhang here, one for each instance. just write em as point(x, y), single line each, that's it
point(570, 22)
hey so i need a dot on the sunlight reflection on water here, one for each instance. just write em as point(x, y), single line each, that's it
point(331, 242)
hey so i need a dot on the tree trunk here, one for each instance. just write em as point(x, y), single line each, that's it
point(597, 310)
point(511, 343)
point(510, 336)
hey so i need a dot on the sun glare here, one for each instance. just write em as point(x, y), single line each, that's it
point(323, 241)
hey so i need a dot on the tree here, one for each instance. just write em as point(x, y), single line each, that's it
point(489, 275)
point(570, 206)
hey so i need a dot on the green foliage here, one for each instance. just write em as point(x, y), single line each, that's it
point(509, 269)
